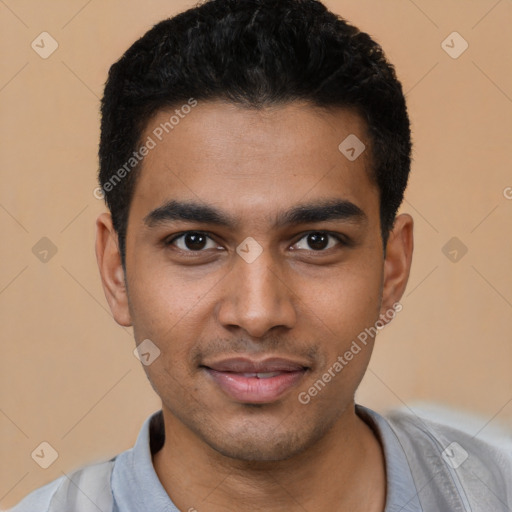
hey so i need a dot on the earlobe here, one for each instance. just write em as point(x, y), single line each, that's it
point(111, 269)
point(397, 263)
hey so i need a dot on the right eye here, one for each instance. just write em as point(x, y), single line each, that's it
point(192, 241)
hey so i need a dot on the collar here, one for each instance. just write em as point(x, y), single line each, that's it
point(136, 486)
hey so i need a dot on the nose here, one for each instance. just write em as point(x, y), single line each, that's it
point(257, 298)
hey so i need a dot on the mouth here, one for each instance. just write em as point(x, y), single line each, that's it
point(256, 382)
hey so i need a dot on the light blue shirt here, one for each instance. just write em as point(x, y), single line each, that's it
point(136, 487)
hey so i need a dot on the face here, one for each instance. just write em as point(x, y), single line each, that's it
point(254, 260)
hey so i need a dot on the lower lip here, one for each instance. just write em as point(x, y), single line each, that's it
point(254, 390)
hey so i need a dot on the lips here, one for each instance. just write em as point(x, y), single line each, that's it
point(244, 365)
point(257, 382)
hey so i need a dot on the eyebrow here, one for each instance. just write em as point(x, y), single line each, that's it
point(319, 211)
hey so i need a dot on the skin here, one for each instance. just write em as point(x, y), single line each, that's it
point(293, 302)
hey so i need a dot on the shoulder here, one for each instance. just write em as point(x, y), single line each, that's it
point(40, 499)
point(87, 488)
point(442, 435)
point(433, 447)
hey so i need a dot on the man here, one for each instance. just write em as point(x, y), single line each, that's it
point(253, 156)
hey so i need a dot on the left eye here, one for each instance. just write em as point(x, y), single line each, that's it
point(317, 241)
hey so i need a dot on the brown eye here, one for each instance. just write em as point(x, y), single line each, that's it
point(193, 241)
point(318, 241)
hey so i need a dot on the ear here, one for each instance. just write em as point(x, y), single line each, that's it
point(397, 264)
point(111, 269)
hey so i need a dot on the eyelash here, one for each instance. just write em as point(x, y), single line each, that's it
point(342, 241)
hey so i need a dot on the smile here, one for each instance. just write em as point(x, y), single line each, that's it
point(247, 381)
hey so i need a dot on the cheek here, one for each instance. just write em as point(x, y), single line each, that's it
point(162, 301)
point(343, 303)
point(165, 310)
point(340, 310)
point(340, 319)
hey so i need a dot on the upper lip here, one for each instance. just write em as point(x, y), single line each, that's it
point(247, 365)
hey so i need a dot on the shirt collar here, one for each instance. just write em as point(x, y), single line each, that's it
point(401, 492)
point(136, 486)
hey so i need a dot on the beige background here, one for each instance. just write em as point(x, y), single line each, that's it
point(68, 374)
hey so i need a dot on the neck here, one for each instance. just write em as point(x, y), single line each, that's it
point(345, 467)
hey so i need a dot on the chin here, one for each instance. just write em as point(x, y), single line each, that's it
point(263, 443)
point(253, 451)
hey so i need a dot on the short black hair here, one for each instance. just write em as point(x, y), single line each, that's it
point(253, 53)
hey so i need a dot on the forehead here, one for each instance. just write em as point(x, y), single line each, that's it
point(254, 161)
